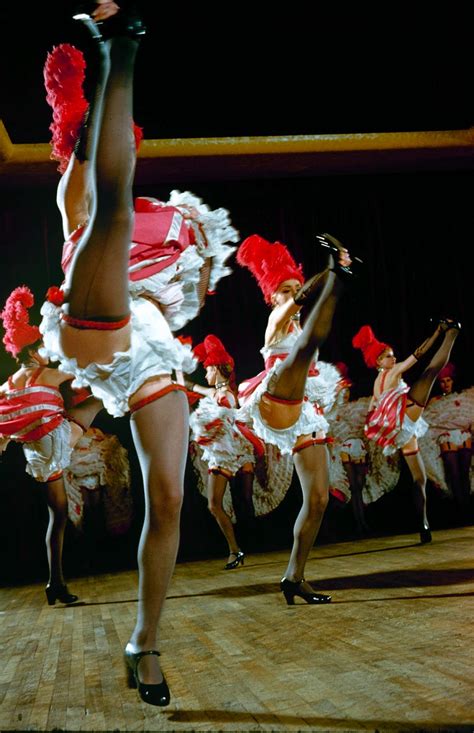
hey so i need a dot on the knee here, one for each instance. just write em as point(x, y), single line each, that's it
point(317, 503)
point(165, 503)
point(214, 507)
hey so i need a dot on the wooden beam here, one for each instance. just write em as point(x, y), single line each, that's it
point(234, 158)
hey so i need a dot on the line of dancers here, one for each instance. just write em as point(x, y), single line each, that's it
point(134, 274)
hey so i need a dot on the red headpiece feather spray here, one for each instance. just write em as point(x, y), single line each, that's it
point(371, 348)
point(18, 331)
point(270, 264)
point(64, 75)
point(211, 352)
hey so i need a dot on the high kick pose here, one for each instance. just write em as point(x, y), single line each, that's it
point(125, 358)
point(227, 444)
point(32, 413)
point(283, 403)
point(394, 420)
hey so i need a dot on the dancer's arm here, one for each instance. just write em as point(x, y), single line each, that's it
point(278, 318)
point(418, 353)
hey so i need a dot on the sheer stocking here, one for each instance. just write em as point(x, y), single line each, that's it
point(312, 468)
point(216, 486)
point(162, 462)
point(420, 391)
point(98, 277)
point(418, 473)
point(56, 500)
point(291, 380)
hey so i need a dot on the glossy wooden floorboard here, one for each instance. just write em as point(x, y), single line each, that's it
point(392, 652)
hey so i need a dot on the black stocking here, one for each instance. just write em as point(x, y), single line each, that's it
point(57, 509)
point(418, 473)
point(98, 282)
point(291, 380)
point(420, 391)
point(356, 473)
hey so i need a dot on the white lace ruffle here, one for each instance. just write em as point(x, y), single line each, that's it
point(227, 448)
point(153, 352)
point(216, 227)
point(323, 388)
point(49, 454)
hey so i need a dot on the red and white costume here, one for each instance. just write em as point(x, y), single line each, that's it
point(388, 424)
point(34, 416)
point(165, 262)
point(320, 393)
point(214, 427)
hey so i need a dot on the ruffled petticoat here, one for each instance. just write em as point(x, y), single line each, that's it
point(153, 352)
point(310, 420)
point(222, 444)
point(355, 448)
point(49, 454)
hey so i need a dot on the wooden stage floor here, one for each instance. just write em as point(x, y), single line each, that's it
point(392, 652)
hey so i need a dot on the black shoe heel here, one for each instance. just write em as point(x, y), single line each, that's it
point(152, 694)
point(60, 593)
point(291, 589)
point(83, 15)
point(239, 560)
point(335, 247)
point(425, 536)
point(447, 324)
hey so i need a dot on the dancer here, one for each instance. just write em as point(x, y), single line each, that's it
point(280, 403)
point(394, 420)
point(225, 448)
point(447, 447)
point(167, 279)
point(32, 413)
point(125, 359)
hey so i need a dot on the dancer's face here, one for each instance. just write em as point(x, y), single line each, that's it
point(285, 292)
point(212, 374)
point(387, 359)
point(446, 384)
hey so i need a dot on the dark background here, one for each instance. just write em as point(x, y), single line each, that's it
point(237, 72)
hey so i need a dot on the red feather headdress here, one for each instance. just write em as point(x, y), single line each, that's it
point(18, 331)
point(371, 348)
point(270, 264)
point(64, 74)
point(211, 352)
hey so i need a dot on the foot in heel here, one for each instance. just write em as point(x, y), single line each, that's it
point(238, 560)
point(60, 593)
point(425, 535)
point(153, 694)
point(291, 588)
point(343, 262)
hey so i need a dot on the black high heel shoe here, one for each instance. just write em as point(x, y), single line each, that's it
point(446, 324)
point(60, 593)
point(239, 560)
point(291, 589)
point(152, 694)
point(425, 535)
point(336, 247)
point(126, 22)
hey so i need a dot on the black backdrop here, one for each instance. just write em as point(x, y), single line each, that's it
point(414, 233)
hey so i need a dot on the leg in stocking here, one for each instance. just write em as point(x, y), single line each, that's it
point(418, 473)
point(98, 276)
point(421, 390)
point(216, 487)
point(57, 509)
point(312, 467)
point(356, 474)
point(291, 381)
point(162, 463)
